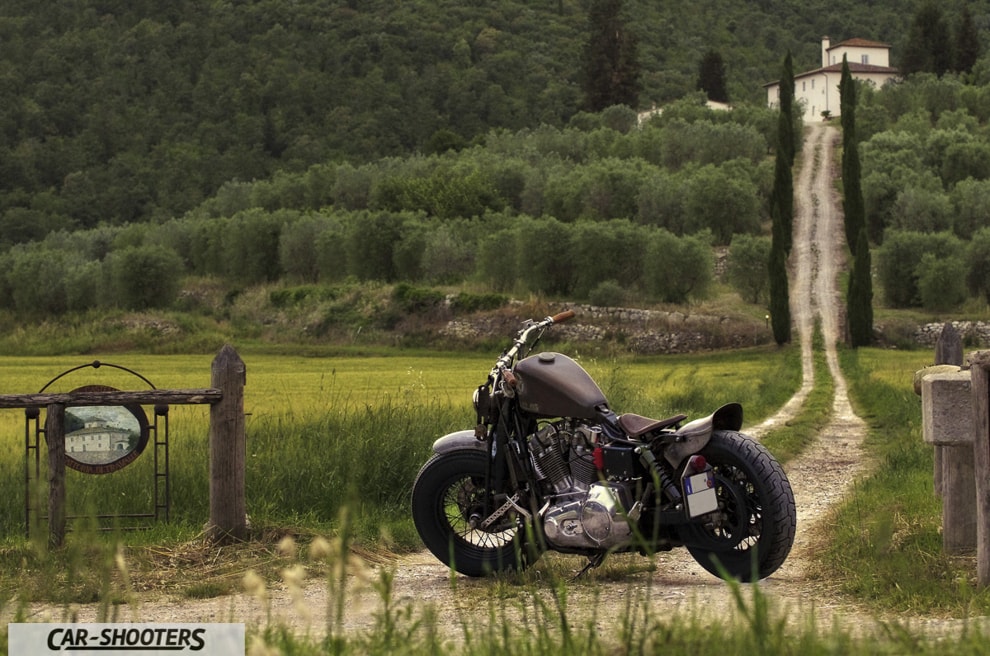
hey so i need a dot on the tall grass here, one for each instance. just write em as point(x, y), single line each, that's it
point(356, 459)
point(324, 432)
point(885, 546)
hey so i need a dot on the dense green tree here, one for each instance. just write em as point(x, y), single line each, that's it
point(537, 252)
point(678, 269)
point(922, 210)
point(298, 254)
point(610, 60)
point(941, 282)
point(897, 269)
point(721, 200)
point(144, 277)
point(747, 267)
point(711, 77)
point(970, 159)
point(448, 253)
point(970, 207)
point(250, 245)
point(929, 44)
point(967, 41)
point(35, 280)
point(978, 264)
point(370, 243)
point(603, 250)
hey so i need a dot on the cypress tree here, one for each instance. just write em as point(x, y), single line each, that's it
point(711, 77)
point(782, 210)
point(780, 306)
point(967, 43)
point(782, 194)
point(929, 47)
point(852, 188)
point(611, 66)
point(859, 298)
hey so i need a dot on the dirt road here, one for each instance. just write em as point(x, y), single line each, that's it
point(819, 479)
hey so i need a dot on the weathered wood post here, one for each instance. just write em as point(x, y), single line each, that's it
point(980, 372)
point(948, 350)
point(228, 508)
point(947, 424)
point(55, 439)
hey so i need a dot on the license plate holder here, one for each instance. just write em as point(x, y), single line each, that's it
point(699, 494)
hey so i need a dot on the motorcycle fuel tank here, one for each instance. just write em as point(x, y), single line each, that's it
point(554, 385)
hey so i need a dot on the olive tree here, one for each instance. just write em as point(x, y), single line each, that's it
point(678, 269)
point(143, 277)
point(747, 267)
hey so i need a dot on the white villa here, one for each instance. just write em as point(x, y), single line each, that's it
point(818, 90)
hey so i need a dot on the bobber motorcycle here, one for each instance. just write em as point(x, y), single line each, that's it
point(550, 466)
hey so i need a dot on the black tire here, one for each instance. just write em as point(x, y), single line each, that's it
point(758, 517)
point(447, 497)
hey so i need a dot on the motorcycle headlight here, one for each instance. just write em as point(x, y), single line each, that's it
point(483, 402)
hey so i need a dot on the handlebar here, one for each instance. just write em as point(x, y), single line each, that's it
point(522, 338)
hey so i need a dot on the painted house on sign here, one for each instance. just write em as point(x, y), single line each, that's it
point(818, 90)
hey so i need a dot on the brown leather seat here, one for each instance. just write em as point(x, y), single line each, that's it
point(637, 425)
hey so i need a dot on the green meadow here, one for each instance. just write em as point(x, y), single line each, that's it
point(324, 432)
point(334, 443)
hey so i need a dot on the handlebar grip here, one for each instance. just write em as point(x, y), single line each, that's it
point(563, 316)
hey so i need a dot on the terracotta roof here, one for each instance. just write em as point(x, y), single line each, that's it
point(837, 68)
point(853, 68)
point(859, 43)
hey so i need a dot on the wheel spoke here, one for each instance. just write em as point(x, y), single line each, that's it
point(463, 508)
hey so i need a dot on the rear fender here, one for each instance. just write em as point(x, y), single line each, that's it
point(694, 435)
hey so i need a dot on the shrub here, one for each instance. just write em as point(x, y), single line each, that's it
point(978, 264)
point(145, 277)
point(747, 267)
point(466, 302)
point(941, 282)
point(607, 293)
point(677, 269)
point(898, 269)
point(416, 300)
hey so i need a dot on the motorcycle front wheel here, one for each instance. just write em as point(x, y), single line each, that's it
point(751, 534)
point(450, 501)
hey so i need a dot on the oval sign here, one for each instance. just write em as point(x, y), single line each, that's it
point(103, 439)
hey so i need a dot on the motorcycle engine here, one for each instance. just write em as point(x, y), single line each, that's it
point(586, 513)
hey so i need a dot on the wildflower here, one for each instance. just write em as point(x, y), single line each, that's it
point(287, 547)
point(319, 549)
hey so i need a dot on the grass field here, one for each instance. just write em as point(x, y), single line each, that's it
point(322, 431)
point(326, 434)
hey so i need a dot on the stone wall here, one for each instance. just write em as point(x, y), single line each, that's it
point(655, 332)
point(971, 332)
point(646, 332)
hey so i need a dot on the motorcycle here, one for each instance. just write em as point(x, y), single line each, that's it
point(550, 466)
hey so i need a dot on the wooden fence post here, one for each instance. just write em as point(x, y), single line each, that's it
point(55, 439)
point(228, 509)
point(948, 350)
point(980, 372)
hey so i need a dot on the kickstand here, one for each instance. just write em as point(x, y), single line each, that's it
point(593, 561)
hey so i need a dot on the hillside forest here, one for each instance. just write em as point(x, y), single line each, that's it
point(149, 151)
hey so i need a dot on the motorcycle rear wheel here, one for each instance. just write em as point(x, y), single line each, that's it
point(759, 518)
point(449, 500)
